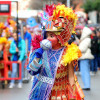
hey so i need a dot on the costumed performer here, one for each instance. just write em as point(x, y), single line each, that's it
point(52, 65)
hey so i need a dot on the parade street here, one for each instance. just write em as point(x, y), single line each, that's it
point(50, 39)
point(22, 94)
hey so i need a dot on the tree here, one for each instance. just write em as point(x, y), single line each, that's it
point(89, 6)
point(97, 5)
point(97, 8)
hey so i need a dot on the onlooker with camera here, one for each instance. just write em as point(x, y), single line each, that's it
point(98, 35)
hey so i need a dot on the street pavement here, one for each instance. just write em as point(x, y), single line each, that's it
point(94, 93)
point(22, 94)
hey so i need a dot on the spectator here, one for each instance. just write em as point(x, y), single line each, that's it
point(27, 36)
point(94, 51)
point(84, 46)
point(18, 54)
point(98, 35)
point(77, 41)
point(78, 33)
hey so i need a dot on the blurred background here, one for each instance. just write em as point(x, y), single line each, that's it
point(20, 20)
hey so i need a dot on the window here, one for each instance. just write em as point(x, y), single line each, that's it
point(4, 8)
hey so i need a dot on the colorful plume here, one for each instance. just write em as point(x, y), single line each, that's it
point(36, 41)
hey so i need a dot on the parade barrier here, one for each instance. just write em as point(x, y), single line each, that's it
point(5, 71)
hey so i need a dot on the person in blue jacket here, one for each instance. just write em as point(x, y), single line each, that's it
point(27, 36)
point(18, 52)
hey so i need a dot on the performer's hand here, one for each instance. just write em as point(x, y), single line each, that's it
point(46, 44)
point(39, 52)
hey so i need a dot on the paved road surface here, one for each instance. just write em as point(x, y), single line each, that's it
point(22, 94)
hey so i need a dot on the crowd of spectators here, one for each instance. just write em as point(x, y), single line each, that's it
point(14, 47)
point(94, 46)
point(88, 40)
point(17, 49)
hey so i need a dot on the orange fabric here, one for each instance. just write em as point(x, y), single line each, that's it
point(79, 90)
point(62, 90)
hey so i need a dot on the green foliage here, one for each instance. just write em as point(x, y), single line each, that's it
point(97, 5)
point(91, 5)
point(88, 6)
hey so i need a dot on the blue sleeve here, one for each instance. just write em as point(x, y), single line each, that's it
point(38, 69)
point(12, 49)
point(23, 50)
point(31, 72)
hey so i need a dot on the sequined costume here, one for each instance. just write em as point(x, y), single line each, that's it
point(62, 90)
point(45, 79)
point(51, 77)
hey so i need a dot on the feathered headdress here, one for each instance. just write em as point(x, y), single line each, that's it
point(62, 19)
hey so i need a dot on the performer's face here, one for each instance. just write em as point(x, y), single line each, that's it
point(53, 38)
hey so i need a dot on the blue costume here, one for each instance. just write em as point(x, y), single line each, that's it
point(43, 82)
